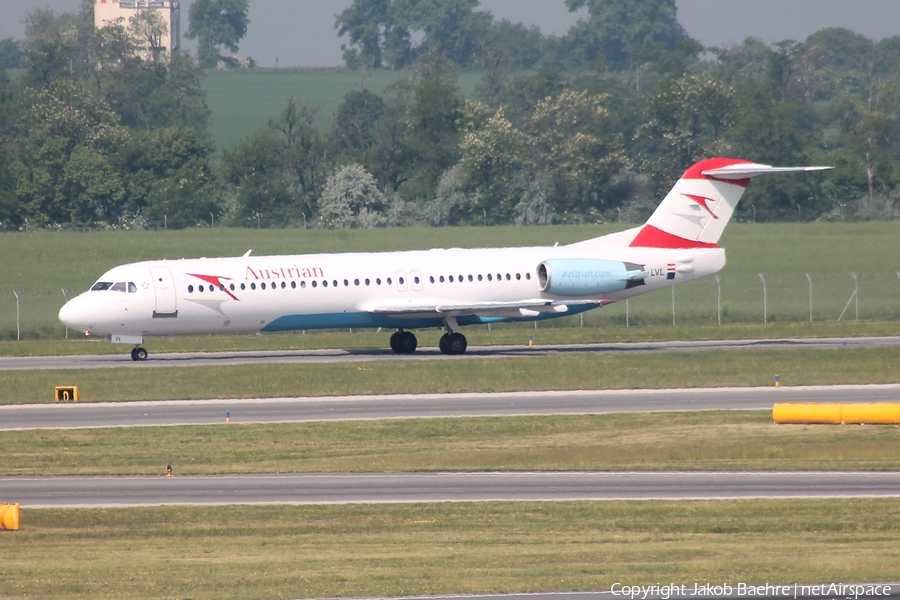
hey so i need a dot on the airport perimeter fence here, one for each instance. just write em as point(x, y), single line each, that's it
point(722, 299)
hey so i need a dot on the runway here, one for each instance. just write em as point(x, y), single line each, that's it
point(348, 488)
point(295, 410)
point(196, 359)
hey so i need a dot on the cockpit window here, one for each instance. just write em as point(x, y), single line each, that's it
point(132, 289)
point(100, 286)
point(119, 286)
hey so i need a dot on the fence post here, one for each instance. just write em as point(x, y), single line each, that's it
point(673, 306)
point(810, 296)
point(765, 301)
point(719, 299)
point(18, 294)
point(65, 294)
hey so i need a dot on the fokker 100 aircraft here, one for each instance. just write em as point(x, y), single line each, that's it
point(414, 290)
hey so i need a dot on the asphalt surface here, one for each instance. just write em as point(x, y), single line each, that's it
point(195, 359)
point(288, 410)
point(346, 488)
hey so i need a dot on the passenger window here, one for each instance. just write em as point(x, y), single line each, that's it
point(199, 288)
point(479, 278)
point(451, 279)
point(334, 283)
point(528, 276)
point(231, 286)
point(356, 282)
point(293, 285)
point(416, 280)
point(262, 286)
point(470, 278)
point(252, 286)
point(489, 277)
point(346, 283)
point(190, 289)
point(367, 282)
point(400, 281)
point(303, 284)
point(378, 281)
point(460, 278)
point(243, 287)
point(325, 283)
point(314, 284)
point(431, 278)
point(389, 282)
point(518, 276)
point(508, 277)
point(442, 279)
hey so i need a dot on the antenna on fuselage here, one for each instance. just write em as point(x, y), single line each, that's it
point(247, 253)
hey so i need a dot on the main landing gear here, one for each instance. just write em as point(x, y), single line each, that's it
point(453, 343)
point(403, 342)
point(138, 354)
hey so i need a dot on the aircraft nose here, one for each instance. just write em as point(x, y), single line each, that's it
point(74, 315)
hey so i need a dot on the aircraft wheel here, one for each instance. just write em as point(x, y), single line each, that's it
point(456, 343)
point(393, 341)
point(138, 354)
point(442, 344)
point(406, 343)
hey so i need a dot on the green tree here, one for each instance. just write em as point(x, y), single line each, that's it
point(573, 145)
point(684, 122)
point(431, 139)
point(215, 23)
point(276, 174)
point(493, 157)
point(67, 125)
point(57, 47)
point(363, 22)
point(168, 177)
point(618, 30)
point(353, 129)
point(11, 55)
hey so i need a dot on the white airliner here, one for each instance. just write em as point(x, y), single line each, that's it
point(415, 290)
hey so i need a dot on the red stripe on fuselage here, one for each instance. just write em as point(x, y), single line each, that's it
point(651, 237)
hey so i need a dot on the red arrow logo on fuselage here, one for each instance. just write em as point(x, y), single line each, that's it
point(216, 281)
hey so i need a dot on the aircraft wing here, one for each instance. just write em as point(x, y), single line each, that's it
point(526, 308)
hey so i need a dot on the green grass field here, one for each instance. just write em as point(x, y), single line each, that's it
point(690, 441)
point(243, 100)
point(393, 550)
point(42, 264)
point(590, 371)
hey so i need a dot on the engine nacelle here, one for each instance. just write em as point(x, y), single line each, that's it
point(588, 276)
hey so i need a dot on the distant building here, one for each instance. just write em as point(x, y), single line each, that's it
point(169, 11)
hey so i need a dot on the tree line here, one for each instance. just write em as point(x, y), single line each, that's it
point(592, 126)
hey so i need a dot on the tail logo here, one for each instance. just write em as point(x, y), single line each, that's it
point(702, 201)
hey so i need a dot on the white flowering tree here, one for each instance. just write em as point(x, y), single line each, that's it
point(351, 199)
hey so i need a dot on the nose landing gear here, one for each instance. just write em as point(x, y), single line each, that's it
point(138, 354)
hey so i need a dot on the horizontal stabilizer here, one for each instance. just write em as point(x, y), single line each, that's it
point(748, 170)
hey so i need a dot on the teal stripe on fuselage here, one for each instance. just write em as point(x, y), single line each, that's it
point(358, 319)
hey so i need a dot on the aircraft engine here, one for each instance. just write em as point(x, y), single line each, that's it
point(588, 276)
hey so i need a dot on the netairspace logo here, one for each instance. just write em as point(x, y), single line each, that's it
point(743, 590)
